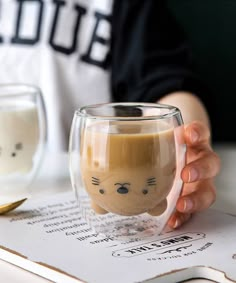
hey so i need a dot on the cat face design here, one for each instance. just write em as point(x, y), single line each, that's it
point(128, 193)
point(19, 137)
point(15, 157)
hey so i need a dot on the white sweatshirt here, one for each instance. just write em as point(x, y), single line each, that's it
point(60, 46)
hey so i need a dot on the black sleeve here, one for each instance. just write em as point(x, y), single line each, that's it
point(149, 54)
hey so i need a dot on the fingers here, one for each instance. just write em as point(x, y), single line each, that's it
point(202, 198)
point(205, 167)
point(203, 162)
point(197, 133)
point(178, 219)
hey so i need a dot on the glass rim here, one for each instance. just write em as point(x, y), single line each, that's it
point(16, 89)
point(172, 111)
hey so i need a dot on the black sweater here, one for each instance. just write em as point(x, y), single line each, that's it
point(150, 55)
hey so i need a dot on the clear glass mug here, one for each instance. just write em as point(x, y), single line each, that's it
point(125, 165)
point(22, 142)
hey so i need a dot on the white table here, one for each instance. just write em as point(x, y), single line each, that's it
point(56, 177)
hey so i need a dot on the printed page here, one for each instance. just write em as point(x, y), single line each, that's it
point(49, 237)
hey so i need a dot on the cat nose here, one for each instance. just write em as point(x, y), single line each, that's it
point(122, 190)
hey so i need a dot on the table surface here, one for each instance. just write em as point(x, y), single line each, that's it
point(57, 179)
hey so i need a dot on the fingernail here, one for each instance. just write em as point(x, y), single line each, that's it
point(192, 175)
point(194, 136)
point(188, 205)
point(177, 223)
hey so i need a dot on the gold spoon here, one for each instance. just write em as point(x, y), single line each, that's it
point(10, 206)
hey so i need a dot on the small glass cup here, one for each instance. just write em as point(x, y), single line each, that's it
point(125, 165)
point(22, 142)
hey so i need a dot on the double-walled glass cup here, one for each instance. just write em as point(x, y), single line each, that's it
point(22, 142)
point(125, 165)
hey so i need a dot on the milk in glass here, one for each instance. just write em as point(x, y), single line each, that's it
point(19, 139)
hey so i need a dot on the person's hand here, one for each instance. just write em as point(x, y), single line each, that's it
point(202, 165)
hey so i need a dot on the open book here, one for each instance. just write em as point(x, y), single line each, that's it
point(49, 237)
